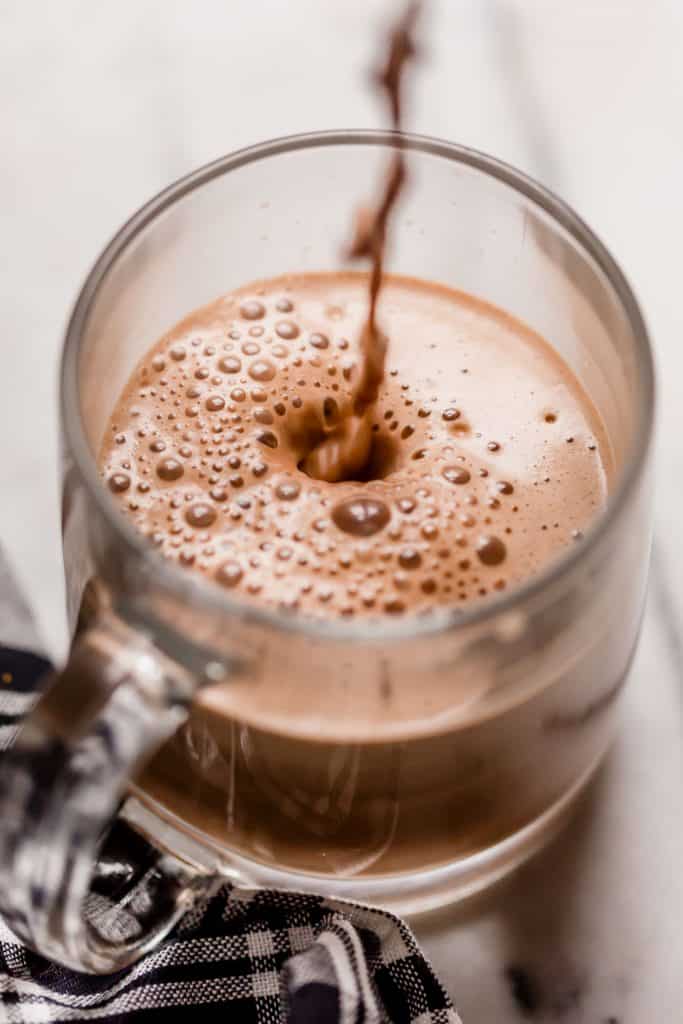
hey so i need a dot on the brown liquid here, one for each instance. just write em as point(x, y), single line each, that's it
point(345, 448)
point(487, 461)
point(486, 457)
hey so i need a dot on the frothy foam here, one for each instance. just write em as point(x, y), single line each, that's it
point(486, 458)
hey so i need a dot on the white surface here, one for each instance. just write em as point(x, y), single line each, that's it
point(103, 104)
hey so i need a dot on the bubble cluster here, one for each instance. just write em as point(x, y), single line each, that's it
point(205, 448)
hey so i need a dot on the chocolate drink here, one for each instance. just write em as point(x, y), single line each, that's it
point(487, 460)
point(340, 447)
point(346, 447)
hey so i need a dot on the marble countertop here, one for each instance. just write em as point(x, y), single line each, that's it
point(101, 105)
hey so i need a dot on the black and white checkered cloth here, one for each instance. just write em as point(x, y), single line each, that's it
point(263, 957)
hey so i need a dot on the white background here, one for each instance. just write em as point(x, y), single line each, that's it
point(103, 104)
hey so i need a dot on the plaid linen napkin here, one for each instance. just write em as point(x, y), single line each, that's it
point(253, 957)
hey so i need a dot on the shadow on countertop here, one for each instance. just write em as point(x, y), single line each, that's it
point(540, 926)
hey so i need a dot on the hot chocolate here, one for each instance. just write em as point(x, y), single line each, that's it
point(485, 458)
point(486, 461)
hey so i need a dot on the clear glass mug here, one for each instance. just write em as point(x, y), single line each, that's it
point(275, 751)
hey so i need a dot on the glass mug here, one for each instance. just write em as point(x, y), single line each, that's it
point(404, 763)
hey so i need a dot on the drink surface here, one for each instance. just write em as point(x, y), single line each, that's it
point(487, 458)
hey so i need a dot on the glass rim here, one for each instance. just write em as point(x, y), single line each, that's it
point(198, 591)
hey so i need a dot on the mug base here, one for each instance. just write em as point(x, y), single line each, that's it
point(403, 894)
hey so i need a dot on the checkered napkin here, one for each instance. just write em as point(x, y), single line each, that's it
point(239, 956)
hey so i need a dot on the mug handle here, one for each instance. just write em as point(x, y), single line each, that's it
point(101, 718)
